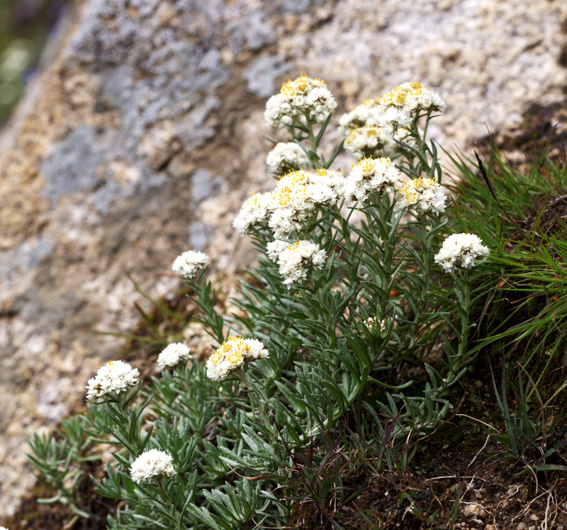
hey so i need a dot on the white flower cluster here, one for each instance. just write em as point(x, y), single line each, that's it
point(390, 120)
point(392, 115)
point(375, 326)
point(423, 194)
point(300, 193)
point(412, 96)
point(369, 175)
point(275, 248)
point(113, 378)
point(364, 141)
point(296, 196)
point(286, 156)
point(232, 354)
point(297, 259)
point(173, 354)
point(462, 250)
point(254, 212)
point(300, 100)
point(358, 117)
point(189, 263)
point(152, 463)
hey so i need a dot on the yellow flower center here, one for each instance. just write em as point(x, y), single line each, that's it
point(217, 357)
point(366, 165)
point(296, 176)
point(294, 246)
point(282, 196)
point(400, 97)
point(253, 199)
point(234, 357)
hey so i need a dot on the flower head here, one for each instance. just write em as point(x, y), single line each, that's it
point(364, 141)
point(254, 212)
point(297, 194)
point(375, 326)
point(113, 378)
point(460, 250)
point(297, 259)
point(424, 194)
point(369, 175)
point(232, 354)
point(388, 119)
point(358, 117)
point(150, 464)
point(189, 263)
point(286, 156)
point(412, 96)
point(172, 355)
point(275, 248)
point(297, 99)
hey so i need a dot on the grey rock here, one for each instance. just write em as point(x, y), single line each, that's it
point(72, 164)
point(199, 234)
point(204, 185)
point(261, 74)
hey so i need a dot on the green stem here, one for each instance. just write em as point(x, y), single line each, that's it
point(258, 403)
point(167, 502)
point(463, 284)
point(313, 157)
point(465, 311)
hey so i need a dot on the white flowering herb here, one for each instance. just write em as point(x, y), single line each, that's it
point(232, 354)
point(275, 248)
point(365, 141)
point(300, 101)
point(384, 122)
point(253, 213)
point(412, 96)
point(423, 195)
point(358, 117)
point(173, 355)
point(286, 156)
point(189, 263)
point(152, 464)
point(298, 259)
point(296, 197)
point(113, 378)
point(375, 326)
point(333, 250)
point(461, 250)
point(371, 175)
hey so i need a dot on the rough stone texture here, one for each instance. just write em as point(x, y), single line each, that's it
point(143, 134)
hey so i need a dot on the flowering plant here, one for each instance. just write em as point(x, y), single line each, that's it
point(347, 293)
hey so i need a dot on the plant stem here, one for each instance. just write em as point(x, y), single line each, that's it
point(464, 286)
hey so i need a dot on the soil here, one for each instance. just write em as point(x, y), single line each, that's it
point(33, 515)
point(485, 491)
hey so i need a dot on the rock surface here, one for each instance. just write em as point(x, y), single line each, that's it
point(143, 134)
